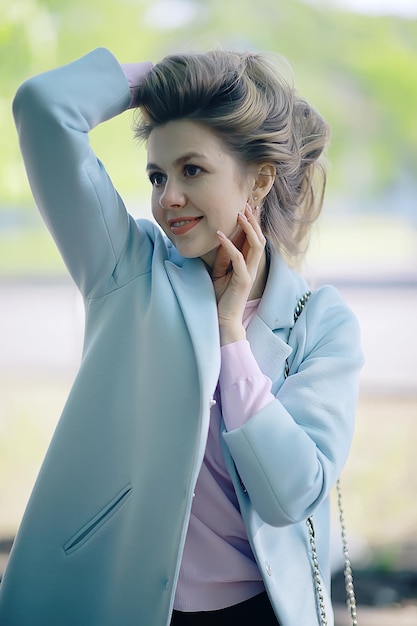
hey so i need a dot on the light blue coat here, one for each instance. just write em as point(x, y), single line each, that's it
point(101, 540)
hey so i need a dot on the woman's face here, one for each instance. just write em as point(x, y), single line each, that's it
point(198, 187)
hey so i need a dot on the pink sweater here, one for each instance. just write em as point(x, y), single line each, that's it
point(218, 568)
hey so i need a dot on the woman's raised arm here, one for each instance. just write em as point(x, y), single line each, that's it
point(54, 113)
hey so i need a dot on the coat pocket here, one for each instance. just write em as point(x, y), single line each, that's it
point(103, 516)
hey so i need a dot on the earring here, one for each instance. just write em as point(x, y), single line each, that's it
point(255, 198)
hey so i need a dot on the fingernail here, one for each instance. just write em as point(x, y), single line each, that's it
point(222, 235)
point(243, 216)
point(249, 208)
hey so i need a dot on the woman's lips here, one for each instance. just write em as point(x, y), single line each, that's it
point(183, 225)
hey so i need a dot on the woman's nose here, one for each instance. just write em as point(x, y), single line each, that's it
point(172, 196)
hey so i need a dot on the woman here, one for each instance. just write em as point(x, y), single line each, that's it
point(181, 473)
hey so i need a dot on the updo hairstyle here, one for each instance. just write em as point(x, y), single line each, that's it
point(259, 117)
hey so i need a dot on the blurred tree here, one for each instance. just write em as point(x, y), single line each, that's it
point(358, 71)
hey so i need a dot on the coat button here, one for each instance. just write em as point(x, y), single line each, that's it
point(212, 403)
point(268, 568)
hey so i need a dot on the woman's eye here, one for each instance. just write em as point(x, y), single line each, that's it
point(157, 179)
point(192, 170)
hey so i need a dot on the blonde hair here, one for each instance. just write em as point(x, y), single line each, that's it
point(260, 118)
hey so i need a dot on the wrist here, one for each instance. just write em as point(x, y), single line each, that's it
point(231, 333)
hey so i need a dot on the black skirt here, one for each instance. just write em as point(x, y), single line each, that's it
point(252, 612)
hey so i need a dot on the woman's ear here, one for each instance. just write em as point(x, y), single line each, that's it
point(264, 179)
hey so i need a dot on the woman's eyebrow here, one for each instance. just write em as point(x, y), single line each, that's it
point(152, 166)
point(179, 161)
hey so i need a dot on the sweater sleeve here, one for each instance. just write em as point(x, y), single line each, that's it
point(244, 389)
point(54, 113)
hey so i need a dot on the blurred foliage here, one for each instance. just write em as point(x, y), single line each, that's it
point(360, 72)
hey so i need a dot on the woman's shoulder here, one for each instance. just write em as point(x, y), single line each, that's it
point(329, 320)
point(326, 301)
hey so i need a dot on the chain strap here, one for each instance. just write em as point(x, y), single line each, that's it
point(297, 312)
point(321, 607)
point(350, 591)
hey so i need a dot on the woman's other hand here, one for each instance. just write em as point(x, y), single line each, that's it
point(135, 73)
point(238, 274)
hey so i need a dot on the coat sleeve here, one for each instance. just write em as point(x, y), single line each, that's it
point(290, 454)
point(54, 113)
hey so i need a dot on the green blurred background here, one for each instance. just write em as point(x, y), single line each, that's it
point(360, 71)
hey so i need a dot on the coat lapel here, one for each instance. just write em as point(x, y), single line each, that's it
point(269, 350)
point(269, 330)
point(193, 288)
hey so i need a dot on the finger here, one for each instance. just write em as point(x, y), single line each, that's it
point(221, 264)
point(255, 245)
point(238, 236)
point(253, 221)
point(243, 273)
point(252, 231)
point(251, 216)
point(235, 256)
point(247, 239)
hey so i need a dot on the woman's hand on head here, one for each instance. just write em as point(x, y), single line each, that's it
point(135, 74)
point(237, 274)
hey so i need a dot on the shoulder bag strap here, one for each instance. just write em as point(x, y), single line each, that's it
point(350, 592)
